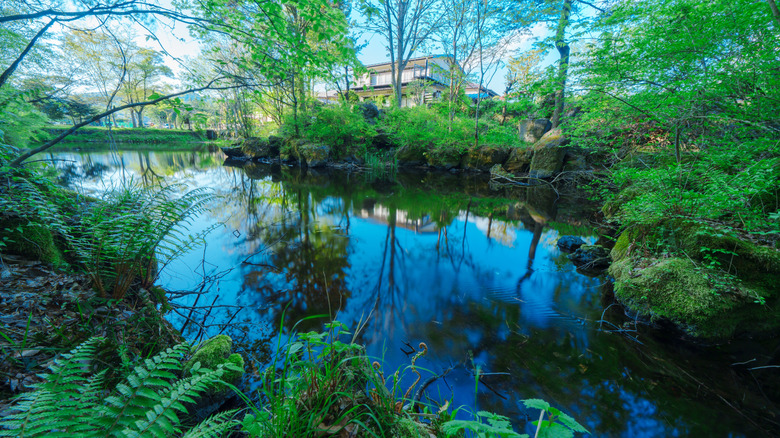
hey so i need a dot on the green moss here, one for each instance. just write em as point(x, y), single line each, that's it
point(519, 160)
point(622, 246)
point(743, 257)
point(701, 301)
point(486, 157)
point(30, 240)
point(214, 352)
point(447, 158)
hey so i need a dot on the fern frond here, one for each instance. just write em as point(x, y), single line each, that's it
point(162, 419)
point(57, 401)
point(214, 426)
point(137, 396)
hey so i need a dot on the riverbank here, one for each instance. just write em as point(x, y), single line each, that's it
point(104, 305)
point(100, 136)
point(695, 237)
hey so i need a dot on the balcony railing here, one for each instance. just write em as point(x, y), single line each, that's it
point(409, 74)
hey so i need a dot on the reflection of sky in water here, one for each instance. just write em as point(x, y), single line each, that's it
point(475, 300)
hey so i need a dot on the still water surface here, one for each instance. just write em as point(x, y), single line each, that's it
point(474, 273)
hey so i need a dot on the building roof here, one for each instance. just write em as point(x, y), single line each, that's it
point(410, 60)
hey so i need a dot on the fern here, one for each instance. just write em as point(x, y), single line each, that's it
point(70, 402)
point(123, 238)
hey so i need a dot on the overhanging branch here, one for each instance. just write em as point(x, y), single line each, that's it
point(24, 156)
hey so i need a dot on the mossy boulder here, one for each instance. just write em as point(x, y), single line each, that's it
point(234, 152)
point(256, 147)
point(30, 240)
point(531, 131)
point(591, 257)
point(314, 154)
point(211, 354)
point(754, 263)
point(214, 352)
point(548, 154)
point(486, 157)
point(698, 300)
point(519, 160)
point(410, 156)
point(444, 158)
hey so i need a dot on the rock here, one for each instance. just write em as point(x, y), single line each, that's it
point(31, 240)
point(548, 154)
point(256, 147)
point(234, 152)
point(570, 243)
point(275, 143)
point(486, 157)
point(370, 112)
point(531, 131)
point(410, 156)
point(313, 154)
point(381, 140)
point(211, 354)
point(446, 159)
point(519, 160)
point(591, 257)
point(574, 162)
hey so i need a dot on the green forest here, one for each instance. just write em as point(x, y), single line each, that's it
point(663, 115)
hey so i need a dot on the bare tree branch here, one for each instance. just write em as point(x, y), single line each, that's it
point(10, 70)
point(21, 158)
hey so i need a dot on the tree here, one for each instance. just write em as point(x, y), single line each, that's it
point(405, 25)
point(144, 68)
point(258, 24)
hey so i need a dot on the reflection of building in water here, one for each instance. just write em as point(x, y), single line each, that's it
point(380, 214)
point(503, 232)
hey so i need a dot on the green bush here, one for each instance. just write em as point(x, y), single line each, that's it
point(343, 128)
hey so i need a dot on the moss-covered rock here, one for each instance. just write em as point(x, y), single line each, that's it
point(256, 147)
point(214, 352)
point(531, 131)
point(548, 154)
point(410, 156)
point(698, 300)
point(519, 160)
point(486, 157)
point(314, 154)
point(30, 240)
point(444, 158)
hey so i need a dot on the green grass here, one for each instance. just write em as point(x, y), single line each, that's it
point(129, 135)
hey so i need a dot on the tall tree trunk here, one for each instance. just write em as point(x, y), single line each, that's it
point(775, 11)
point(563, 63)
point(140, 111)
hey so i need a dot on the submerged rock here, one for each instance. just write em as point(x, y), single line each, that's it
point(570, 243)
point(591, 257)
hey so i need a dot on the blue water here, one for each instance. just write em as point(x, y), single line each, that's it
point(474, 273)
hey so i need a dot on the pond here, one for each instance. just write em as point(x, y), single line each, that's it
point(473, 272)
